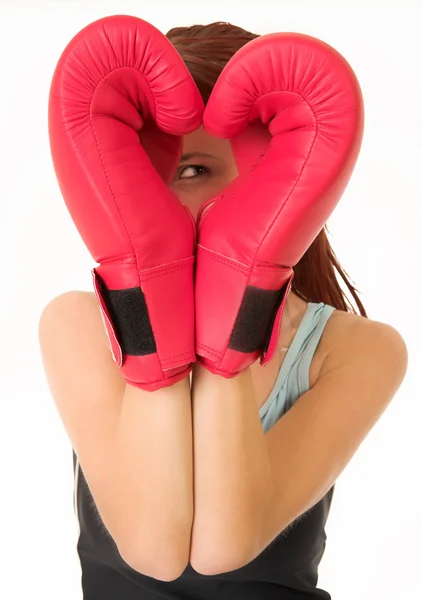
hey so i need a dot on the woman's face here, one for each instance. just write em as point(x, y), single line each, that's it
point(206, 167)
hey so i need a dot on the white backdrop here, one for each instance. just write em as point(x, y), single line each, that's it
point(375, 525)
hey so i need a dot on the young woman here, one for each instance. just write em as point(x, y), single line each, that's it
point(221, 490)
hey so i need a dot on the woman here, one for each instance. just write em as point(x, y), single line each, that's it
point(263, 486)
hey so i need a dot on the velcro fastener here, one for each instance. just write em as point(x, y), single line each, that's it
point(128, 313)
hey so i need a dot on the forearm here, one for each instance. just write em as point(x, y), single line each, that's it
point(150, 499)
point(232, 475)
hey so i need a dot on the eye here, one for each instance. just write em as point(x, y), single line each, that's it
point(199, 169)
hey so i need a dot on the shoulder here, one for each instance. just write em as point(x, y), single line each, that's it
point(344, 329)
point(72, 310)
point(72, 299)
point(352, 339)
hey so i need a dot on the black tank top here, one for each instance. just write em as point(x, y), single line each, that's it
point(286, 570)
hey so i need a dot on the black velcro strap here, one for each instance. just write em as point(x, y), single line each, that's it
point(255, 320)
point(129, 314)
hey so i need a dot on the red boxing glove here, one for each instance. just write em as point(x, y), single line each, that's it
point(120, 99)
point(292, 173)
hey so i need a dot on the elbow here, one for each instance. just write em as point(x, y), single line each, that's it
point(155, 566)
point(219, 559)
point(228, 552)
point(156, 569)
point(164, 561)
point(219, 565)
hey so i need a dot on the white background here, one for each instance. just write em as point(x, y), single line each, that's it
point(374, 529)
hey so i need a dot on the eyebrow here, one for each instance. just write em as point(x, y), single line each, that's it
point(189, 155)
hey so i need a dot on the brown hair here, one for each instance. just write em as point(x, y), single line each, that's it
point(205, 50)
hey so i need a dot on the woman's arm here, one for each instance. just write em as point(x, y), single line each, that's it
point(134, 446)
point(232, 471)
point(250, 486)
point(150, 479)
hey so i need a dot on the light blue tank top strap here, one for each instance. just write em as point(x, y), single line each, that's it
point(293, 377)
